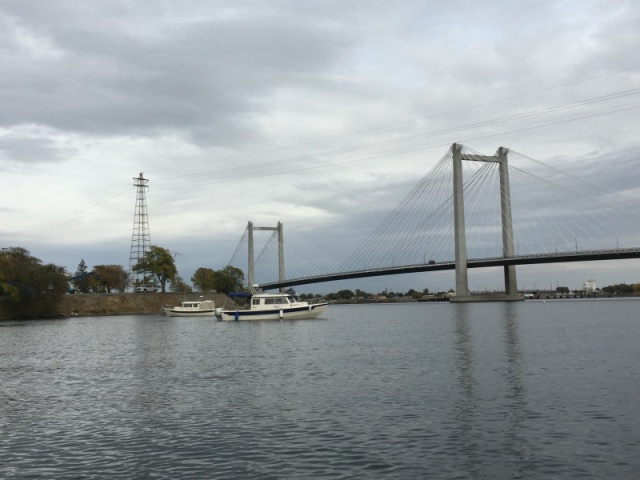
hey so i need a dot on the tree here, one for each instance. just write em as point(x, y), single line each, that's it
point(179, 286)
point(345, 294)
point(81, 282)
point(619, 288)
point(204, 279)
point(30, 288)
point(111, 277)
point(229, 279)
point(361, 294)
point(159, 262)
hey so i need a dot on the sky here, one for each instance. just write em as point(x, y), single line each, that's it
point(319, 115)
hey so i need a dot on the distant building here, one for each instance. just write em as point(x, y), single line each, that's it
point(590, 286)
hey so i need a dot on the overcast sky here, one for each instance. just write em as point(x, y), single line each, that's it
point(322, 115)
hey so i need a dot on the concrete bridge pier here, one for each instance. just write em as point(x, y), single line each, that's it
point(462, 282)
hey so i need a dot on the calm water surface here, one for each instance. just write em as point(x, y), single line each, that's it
point(526, 390)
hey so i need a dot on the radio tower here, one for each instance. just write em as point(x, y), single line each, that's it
point(141, 239)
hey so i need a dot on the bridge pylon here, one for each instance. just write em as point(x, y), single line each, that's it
point(281, 271)
point(462, 281)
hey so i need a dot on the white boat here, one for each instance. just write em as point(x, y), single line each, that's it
point(192, 308)
point(271, 306)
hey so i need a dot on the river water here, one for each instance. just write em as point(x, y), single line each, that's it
point(498, 390)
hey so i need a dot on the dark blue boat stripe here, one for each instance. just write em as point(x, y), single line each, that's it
point(192, 311)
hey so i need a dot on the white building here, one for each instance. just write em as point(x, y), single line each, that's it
point(590, 286)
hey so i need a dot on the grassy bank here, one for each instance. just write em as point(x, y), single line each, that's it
point(88, 305)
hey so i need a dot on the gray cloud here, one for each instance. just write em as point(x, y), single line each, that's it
point(134, 72)
point(29, 148)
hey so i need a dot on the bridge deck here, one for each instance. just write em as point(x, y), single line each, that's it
point(564, 257)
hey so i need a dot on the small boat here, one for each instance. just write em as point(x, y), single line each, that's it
point(271, 306)
point(192, 308)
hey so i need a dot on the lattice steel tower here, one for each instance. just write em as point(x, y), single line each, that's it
point(141, 239)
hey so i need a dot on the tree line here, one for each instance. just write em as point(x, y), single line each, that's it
point(347, 294)
point(30, 288)
point(159, 269)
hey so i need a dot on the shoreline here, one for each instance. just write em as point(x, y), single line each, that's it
point(109, 304)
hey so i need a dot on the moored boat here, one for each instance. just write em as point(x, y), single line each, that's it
point(271, 306)
point(192, 308)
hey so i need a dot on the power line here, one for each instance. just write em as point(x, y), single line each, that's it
point(434, 115)
point(232, 172)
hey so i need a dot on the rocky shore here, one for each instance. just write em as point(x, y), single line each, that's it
point(97, 304)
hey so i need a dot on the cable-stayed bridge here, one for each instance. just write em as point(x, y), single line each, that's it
point(470, 211)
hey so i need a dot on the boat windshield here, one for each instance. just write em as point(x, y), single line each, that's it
point(275, 300)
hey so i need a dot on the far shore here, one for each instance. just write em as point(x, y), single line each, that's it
point(109, 304)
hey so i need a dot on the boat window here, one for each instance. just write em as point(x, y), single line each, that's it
point(255, 301)
point(275, 300)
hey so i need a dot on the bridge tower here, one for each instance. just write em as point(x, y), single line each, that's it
point(281, 271)
point(462, 282)
point(141, 238)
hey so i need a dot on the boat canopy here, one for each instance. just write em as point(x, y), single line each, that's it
point(239, 295)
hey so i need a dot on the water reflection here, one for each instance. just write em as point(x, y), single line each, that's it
point(478, 387)
point(514, 356)
point(515, 441)
point(462, 439)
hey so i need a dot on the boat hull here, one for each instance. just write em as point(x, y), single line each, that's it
point(170, 312)
point(296, 313)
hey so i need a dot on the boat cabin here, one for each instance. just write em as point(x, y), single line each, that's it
point(205, 305)
point(271, 301)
